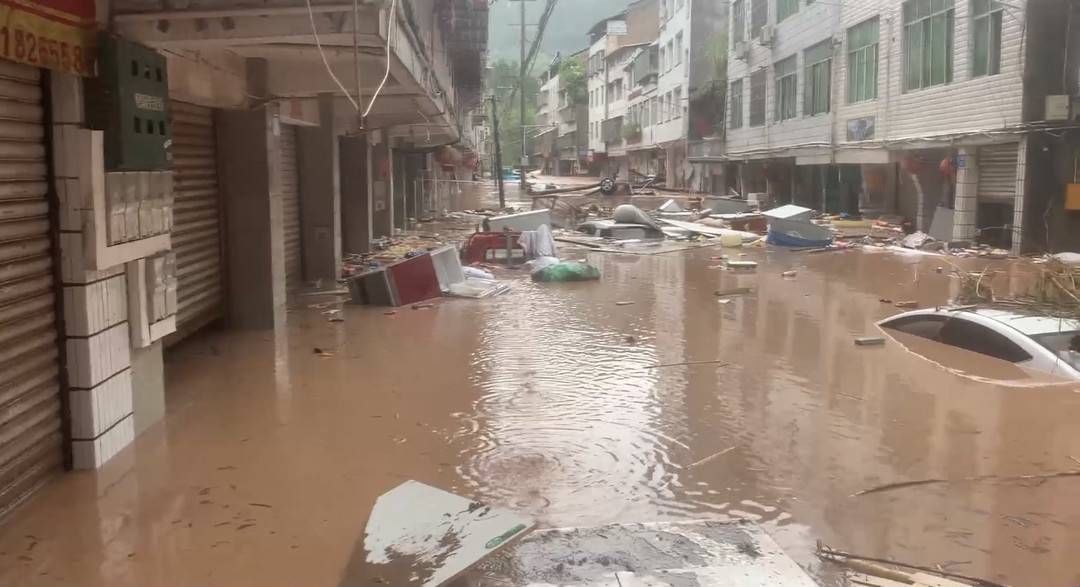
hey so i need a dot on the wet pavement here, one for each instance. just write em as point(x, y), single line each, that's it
point(547, 401)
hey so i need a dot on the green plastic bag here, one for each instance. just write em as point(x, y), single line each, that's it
point(567, 271)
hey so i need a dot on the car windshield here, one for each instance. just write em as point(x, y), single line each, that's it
point(1064, 345)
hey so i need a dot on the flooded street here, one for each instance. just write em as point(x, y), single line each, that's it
point(555, 401)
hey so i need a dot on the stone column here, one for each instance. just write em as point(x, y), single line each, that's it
point(318, 159)
point(356, 221)
point(967, 194)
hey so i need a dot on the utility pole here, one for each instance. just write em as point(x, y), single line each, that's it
point(521, 95)
point(498, 153)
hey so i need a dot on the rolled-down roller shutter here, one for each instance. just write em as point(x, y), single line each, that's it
point(31, 440)
point(997, 174)
point(197, 222)
point(290, 196)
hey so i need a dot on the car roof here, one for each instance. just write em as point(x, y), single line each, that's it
point(1025, 322)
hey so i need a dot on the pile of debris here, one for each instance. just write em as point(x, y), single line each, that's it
point(1055, 292)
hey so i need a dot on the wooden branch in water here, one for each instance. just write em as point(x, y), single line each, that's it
point(906, 484)
point(718, 363)
point(830, 554)
point(711, 457)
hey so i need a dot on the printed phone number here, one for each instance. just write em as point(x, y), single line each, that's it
point(27, 47)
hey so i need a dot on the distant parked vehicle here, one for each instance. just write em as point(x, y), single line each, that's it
point(1042, 343)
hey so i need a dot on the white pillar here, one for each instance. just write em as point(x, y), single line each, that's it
point(967, 195)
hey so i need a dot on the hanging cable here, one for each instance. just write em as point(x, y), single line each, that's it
point(329, 70)
point(390, 22)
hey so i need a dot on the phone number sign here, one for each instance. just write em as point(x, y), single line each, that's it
point(54, 34)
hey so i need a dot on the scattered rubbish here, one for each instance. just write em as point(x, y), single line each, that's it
point(885, 301)
point(330, 292)
point(718, 363)
point(403, 283)
point(926, 576)
point(624, 303)
point(695, 227)
point(522, 221)
point(711, 457)
point(977, 479)
point(477, 288)
point(789, 274)
point(320, 352)
point(1067, 258)
point(619, 231)
point(727, 205)
point(940, 269)
point(790, 212)
point(791, 226)
point(538, 243)
point(737, 291)
point(996, 254)
point(334, 316)
point(260, 505)
point(423, 306)
point(476, 273)
point(390, 313)
point(725, 301)
point(907, 304)
point(438, 534)
point(630, 214)
point(870, 341)
point(566, 271)
point(670, 206)
point(916, 240)
point(485, 247)
point(745, 265)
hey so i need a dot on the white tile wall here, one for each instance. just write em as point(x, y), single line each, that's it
point(94, 359)
point(965, 105)
point(89, 309)
point(73, 261)
point(93, 411)
point(91, 454)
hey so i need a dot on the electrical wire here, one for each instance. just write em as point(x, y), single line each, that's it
point(329, 70)
point(390, 21)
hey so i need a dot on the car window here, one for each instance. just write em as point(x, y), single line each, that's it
point(1064, 345)
point(924, 326)
point(977, 338)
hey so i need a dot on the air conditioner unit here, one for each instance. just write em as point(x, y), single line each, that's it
point(768, 35)
point(1062, 108)
point(742, 50)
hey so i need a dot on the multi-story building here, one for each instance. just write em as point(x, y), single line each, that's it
point(613, 42)
point(193, 167)
point(545, 145)
point(573, 120)
point(930, 109)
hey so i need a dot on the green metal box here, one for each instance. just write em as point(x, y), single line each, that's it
point(129, 100)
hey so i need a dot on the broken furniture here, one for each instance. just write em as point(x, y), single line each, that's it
point(406, 282)
point(791, 226)
point(423, 536)
point(531, 220)
point(487, 247)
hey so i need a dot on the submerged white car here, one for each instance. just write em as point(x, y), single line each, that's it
point(1050, 345)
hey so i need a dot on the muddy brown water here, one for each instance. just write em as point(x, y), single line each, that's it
point(544, 401)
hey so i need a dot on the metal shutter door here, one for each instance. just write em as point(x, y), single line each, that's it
point(290, 200)
point(997, 174)
point(31, 440)
point(196, 235)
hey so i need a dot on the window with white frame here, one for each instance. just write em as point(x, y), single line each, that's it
point(678, 49)
point(670, 56)
point(663, 58)
point(787, 88)
point(738, 22)
point(817, 80)
point(986, 37)
point(759, 16)
point(758, 81)
point(735, 105)
point(862, 73)
point(928, 43)
point(786, 8)
point(676, 105)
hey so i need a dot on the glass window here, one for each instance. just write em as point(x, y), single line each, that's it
point(787, 81)
point(738, 21)
point(677, 106)
point(977, 338)
point(735, 108)
point(759, 16)
point(757, 97)
point(862, 82)
point(817, 83)
point(985, 37)
point(670, 56)
point(928, 43)
point(785, 8)
point(924, 326)
point(678, 49)
point(1065, 345)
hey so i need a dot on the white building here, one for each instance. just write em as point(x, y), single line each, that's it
point(915, 108)
point(545, 148)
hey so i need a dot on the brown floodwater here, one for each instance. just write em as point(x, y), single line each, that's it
point(547, 401)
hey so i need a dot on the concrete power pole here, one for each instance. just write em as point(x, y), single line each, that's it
point(521, 95)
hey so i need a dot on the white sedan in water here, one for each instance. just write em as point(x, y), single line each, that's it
point(1043, 343)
